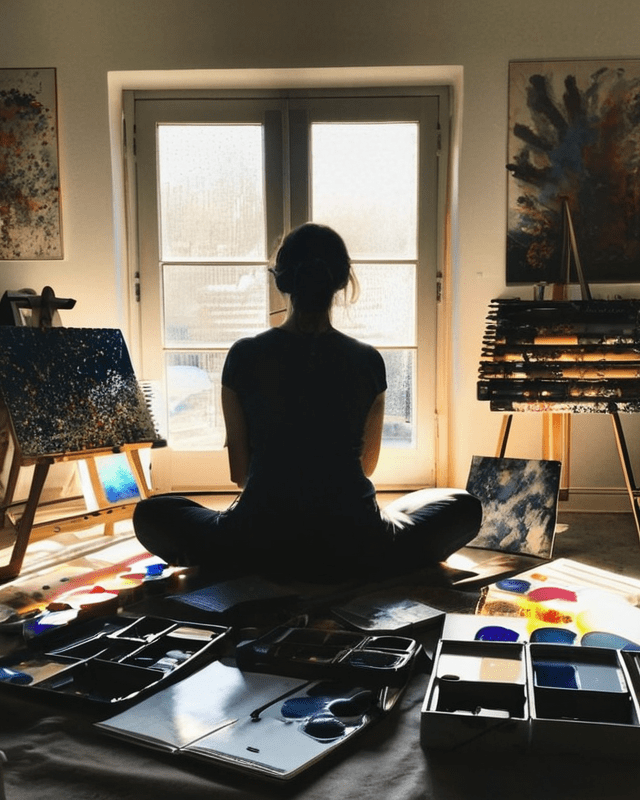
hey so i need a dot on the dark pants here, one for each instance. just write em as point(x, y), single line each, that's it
point(416, 530)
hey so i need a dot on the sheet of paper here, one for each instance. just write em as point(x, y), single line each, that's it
point(197, 705)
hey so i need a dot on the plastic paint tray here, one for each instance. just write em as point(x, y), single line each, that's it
point(110, 661)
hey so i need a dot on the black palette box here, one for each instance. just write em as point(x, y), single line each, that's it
point(546, 697)
point(109, 662)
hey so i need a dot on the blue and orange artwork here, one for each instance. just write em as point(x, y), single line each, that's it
point(30, 220)
point(574, 141)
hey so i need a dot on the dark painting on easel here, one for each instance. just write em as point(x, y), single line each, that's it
point(71, 390)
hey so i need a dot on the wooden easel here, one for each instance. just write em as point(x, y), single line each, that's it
point(22, 527)
point(556, 428)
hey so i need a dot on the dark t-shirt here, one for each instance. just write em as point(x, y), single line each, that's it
point(306, 399)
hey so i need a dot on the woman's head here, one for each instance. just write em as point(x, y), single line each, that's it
point(311, 265)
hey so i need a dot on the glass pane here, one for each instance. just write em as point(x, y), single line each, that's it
point(211, 185)
point(385, 312)
point(213, 304)
point(399, 418)
point(193, 400)
point(364, 184)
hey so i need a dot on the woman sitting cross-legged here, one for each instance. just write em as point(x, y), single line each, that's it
point(303, 406)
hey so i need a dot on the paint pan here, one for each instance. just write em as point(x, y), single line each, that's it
point(553, 636)
point(496, 633)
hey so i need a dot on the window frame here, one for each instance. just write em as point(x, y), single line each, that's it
point(274, 185)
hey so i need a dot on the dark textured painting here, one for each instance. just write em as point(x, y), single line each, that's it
point(71, 390)
point(574, 142)
point(519, 504)
point(30, 220)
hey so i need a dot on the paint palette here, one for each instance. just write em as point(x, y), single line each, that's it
point(270, 726)
point(339, 655)
point(110, 661)
point(568, 602)
point(493, 686)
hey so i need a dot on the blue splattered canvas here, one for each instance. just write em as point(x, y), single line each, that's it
point(519, 504)
point(71, 390)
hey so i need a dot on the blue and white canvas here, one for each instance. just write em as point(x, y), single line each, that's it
point(519, 504)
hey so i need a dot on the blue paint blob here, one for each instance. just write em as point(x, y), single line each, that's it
point(611, 640)
point(553, 636)
point(324, 726)
point(496, 633)
point(13, 676)
point(155, 569)
point(514, 585)
point(301, 707)
point(557, 676)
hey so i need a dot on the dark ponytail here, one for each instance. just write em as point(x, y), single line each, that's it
point(311, 265)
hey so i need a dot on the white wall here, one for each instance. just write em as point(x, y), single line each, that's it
point(87, 39)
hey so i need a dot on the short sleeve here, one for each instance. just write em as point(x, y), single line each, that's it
point(379, 372)
point(232, 370)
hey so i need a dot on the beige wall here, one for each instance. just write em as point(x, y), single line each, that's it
point(87, 39)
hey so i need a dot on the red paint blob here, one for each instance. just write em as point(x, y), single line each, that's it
point(546, 593)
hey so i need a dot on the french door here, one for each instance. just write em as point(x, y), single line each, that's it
point(219, 180)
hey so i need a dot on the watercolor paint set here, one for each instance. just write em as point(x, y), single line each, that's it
point(285, 701)
point(499, 683)
point(271, 726)
point(110, 662)
point(334, 654)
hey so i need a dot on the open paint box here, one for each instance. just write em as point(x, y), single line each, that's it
point(270, 726)
point(110, 661)
point(335, 654)
point(546, 696)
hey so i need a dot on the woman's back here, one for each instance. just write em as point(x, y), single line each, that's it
point(305, 398)
point(304, 407)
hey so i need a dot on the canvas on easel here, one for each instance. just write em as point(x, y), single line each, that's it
point(67, 394)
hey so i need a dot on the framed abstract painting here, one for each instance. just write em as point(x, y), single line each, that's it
point(30, 213)
point(573, 146)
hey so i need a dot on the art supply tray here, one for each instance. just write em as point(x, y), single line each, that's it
point(335, 654)
point(110, 662)
point(548, 697)
point(270, 726)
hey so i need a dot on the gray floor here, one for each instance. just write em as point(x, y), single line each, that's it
point(608, 541)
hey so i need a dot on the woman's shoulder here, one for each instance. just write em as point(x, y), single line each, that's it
point(358, 347)
point(249, 344)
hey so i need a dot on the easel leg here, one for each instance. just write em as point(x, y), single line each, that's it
point(23, 530)
point(504, 435)
point(627, 469)
point(133, 456)
point(556, 446)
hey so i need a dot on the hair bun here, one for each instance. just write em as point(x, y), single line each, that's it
point(312, 264)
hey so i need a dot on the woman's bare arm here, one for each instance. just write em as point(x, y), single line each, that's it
point(238, 450)
point(372, 436)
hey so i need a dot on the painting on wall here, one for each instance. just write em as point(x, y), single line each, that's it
point(30, 215)
point(574, 144)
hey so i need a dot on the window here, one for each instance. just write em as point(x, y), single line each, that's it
point(219, 179)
